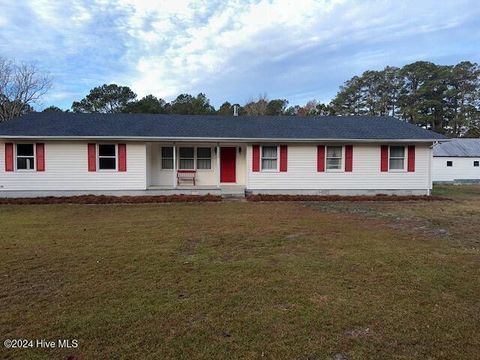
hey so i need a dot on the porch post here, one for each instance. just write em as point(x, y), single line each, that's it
point(218, 166)
point(174, 166)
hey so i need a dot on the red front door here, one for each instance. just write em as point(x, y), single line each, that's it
point(227, 164)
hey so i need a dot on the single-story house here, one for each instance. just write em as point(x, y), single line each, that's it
point(131, 154)
point(457, 160)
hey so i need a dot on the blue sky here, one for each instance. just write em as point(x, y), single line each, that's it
point(231, 50)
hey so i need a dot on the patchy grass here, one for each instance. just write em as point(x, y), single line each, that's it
point(375, 280)
point(458, 191)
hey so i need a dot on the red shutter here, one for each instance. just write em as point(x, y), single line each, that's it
point(8, 157)
point(283, 157)
point(256, 158)
point(122, 157)
point(40, 156)
point(321, 158)
point(348, 158)
point(411, 158)
point(92, 157)
point(384, 158)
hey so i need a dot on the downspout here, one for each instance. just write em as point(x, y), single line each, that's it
point(430, 184)
point(174, 172)
point(218, 165)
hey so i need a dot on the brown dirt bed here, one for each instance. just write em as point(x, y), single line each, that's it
point(264, 197)
point(102, 199)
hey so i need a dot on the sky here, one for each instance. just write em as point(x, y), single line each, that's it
point(230, 50)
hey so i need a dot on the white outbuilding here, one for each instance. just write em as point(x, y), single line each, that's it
point(457, 160)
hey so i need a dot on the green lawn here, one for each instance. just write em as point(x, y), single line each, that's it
point(239, 280)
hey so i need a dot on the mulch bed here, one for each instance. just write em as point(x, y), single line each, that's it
point(102, 199)
point(263, 197)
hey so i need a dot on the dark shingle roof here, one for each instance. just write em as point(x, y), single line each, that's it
point(212, 126)
point(458, 148)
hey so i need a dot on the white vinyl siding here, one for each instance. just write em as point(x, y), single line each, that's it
point(66, 168)
point(302, 171)
point(462, 168)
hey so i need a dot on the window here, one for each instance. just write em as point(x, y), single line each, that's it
point(449, 163)
point(397, 157)
point(204, 158)
point(334, 157)
point(107, 157)
point(167, 157)
point(25, 157)
point(476, 163)
point(269, 158)
point(187, 158)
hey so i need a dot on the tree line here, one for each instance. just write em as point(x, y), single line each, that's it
point(444, 98)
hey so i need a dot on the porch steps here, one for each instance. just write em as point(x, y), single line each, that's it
point(233, 197)
point(233, 194)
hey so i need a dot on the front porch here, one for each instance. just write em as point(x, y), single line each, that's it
point(196, 168)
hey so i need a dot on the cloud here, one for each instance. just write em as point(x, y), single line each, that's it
point(230, 49)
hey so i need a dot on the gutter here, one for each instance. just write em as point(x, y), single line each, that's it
point(217, 139)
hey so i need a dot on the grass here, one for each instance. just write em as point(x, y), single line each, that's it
point(287, 280)
point(457, 190)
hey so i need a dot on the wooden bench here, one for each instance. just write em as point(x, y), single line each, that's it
point(186, 176)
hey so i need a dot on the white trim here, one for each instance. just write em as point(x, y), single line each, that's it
point(430, 170)
point(15, 165)
point(216, 139)
point(189, 158)
point(168, 158)
point(174, 170)
point(277, 158)
point(195, 158)
point(217, 155)
point(342, 159)
point(405, 159)
point(107, 157)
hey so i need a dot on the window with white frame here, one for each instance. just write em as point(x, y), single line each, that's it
point(204, 158)
point(167, 157)
point(476, 163)
point(107, 157)
point(334, 157)
point(449, 163)
point(186, 158)
point(269, 157)
point(25, 157)
point(397, 158)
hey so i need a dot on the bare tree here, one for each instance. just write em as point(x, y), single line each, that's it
point(21, 86)
point(257, 107)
